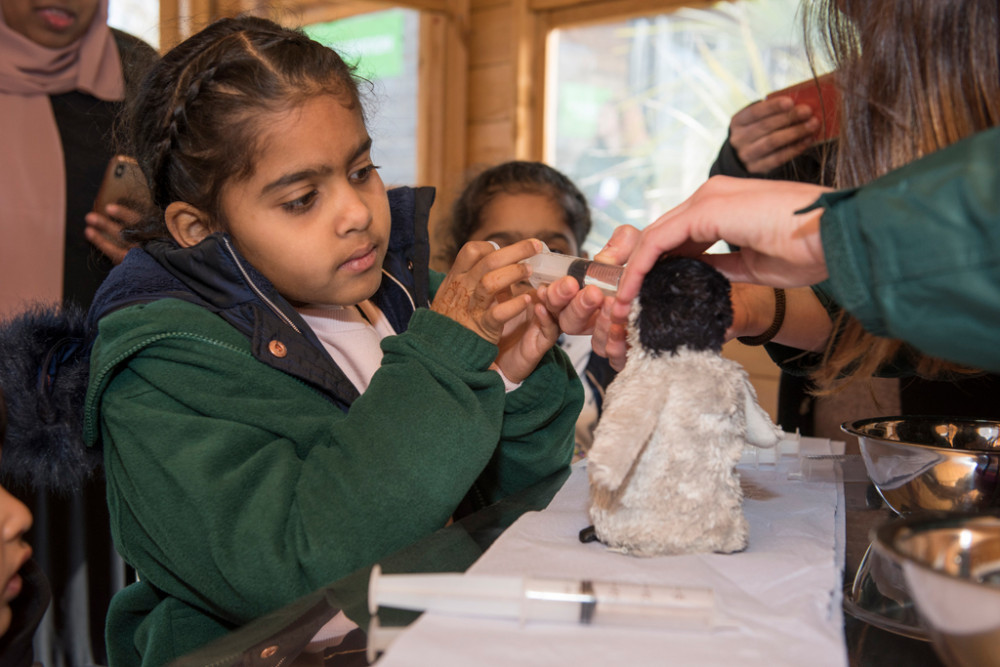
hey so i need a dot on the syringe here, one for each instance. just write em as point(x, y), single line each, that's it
point(547, 267)
point(542, 599)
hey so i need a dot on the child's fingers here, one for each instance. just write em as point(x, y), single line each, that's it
point(547, 324)
point(470, 254)
point(505, 311)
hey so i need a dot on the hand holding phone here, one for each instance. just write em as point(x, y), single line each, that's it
point(822, 96)
point(123, 184)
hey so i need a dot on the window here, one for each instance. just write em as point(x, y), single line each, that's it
point(140, 18)
point(638, 109)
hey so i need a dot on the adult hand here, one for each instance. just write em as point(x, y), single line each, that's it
point(777, 246)
point(104, 230)
point(769, 133)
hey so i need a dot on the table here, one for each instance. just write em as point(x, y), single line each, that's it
point(281, 637)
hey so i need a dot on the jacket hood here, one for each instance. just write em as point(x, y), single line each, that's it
point(44, 366)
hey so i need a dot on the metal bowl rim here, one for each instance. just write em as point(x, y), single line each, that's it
point(853, 427)
point(882, 536)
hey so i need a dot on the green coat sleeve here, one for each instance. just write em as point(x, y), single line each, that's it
point(537, 434)
point(915, 255)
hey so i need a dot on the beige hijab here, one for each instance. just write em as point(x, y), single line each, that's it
point(32, 172)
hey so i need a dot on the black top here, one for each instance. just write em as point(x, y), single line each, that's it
point(27, 610)
point(86, 130)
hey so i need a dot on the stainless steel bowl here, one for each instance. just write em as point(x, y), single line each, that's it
point(951, 564)
point(878, 596)
point(931, 463)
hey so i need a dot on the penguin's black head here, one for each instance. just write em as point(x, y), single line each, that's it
point(683, 301)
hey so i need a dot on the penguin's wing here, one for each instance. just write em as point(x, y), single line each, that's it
point(761, 431)
point(631, 413)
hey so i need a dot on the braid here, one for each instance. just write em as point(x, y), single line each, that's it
point(194, 122)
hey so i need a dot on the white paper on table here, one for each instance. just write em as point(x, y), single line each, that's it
point(783, 593)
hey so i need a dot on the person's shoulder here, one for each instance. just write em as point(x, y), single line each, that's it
point(129, 45)
point(137, 57)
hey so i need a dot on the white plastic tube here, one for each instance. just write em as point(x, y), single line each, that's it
point(540, 599)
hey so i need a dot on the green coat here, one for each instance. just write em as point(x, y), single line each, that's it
point(235, 488)
point(915, 255)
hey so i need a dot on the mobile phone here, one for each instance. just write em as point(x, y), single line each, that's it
point(123, 184)
point(822, 96)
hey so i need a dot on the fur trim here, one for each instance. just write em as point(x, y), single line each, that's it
point(44, 369)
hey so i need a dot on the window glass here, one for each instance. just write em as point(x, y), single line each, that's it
point(137, 17)
point(639, 108)
point(383, 45)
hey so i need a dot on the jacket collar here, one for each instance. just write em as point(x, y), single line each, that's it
point(215, 276)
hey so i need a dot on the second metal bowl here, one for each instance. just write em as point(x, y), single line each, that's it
point(931, 463)
point(951, 564)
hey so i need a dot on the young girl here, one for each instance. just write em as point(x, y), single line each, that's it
point(520, 200)
point(24, 591)
point(277, 405)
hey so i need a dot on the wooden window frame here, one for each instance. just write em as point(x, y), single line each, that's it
point(536, 19)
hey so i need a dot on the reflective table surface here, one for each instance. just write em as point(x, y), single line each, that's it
point(281, 638)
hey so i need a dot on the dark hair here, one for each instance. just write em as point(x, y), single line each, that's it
point(514, 177)
point(916, 76)
point(194, 123)
point(3, 418)
point(683, 302)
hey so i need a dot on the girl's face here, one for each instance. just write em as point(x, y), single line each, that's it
point(52, 23)
point(15, 520)
point(314, 216)
point(509, 218)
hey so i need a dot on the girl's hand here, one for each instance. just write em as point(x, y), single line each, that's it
point(476, 292)
point(104, 230)
point(524, 341)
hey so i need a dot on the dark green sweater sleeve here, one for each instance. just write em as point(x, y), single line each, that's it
point(537, 434)
point(915, 255)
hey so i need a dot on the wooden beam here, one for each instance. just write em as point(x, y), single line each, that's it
point(574, 12)
point(353, 7)
point(442, 113)
point(529, 81)
point(170, 33)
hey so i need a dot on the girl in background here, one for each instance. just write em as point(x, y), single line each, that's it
point(283, 391)
point(520, 200)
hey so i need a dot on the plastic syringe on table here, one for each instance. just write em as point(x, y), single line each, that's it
point(788, 446)
point(543, 599)
point(548, 267)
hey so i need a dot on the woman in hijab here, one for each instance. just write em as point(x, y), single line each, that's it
point(64, 78)
point(64, 75)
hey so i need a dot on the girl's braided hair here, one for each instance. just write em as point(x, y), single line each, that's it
point(195, 121)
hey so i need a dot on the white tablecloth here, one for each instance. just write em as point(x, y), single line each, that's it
point(782, 595)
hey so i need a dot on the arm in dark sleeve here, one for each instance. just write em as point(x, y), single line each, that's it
point(915, 255)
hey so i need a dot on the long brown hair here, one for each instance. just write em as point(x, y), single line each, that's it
point(915, 76)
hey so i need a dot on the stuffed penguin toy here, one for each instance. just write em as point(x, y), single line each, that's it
point(675, 422)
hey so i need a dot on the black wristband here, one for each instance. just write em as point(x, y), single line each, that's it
point(772, 331)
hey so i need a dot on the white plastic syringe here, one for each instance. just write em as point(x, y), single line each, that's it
point(541, 599)
point(547, 267)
